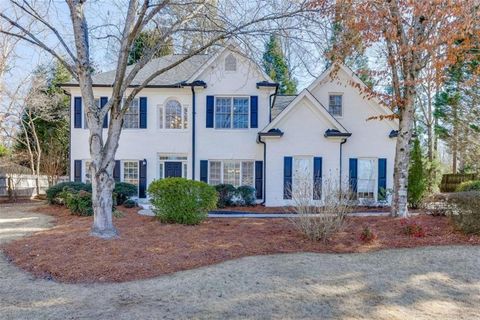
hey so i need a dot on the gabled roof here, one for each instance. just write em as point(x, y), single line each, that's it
point(306, 94)
point(281, 102)
point(374, 102)
point(171, 78)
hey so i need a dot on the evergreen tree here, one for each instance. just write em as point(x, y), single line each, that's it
point(276, 66)
point(416, 176)
point(145, 41)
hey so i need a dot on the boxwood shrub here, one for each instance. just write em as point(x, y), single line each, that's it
point(124, 191)
point(247, 195)
point(78, 202)
point(54, 191)
point(178, 200)
point(473, 185)
point(226, 193)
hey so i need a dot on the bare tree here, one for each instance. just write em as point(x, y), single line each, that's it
point(172, 19)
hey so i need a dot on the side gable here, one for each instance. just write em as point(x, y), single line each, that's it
point(316, 106)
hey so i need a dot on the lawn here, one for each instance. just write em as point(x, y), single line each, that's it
point(147, 248)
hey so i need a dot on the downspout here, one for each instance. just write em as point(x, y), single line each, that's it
point(274, 95)
point(194, 112)
point(264, 170)
point(341, 156)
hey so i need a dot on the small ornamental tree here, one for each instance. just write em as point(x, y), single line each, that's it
point(416, 176)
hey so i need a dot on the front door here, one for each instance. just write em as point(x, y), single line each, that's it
point(173, 169)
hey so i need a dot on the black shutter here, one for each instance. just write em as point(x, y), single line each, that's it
point(77, 170)
point(210, 103)
point(382, 179)
point(142, 181)
point(259, 179)
point(254, 112)
point(352, 174)
point(204, 171)
point(116, 171)
point(143, 112)
point(317, 178)
point(103, 102)
point(287, 177)
point(77, 112)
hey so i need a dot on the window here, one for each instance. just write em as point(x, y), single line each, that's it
point(85, 123)
point(231, 112)
point(234, 172)
point(88, 174)
point(131, 119)
point(366, 179)
point(173, 116)
point(302, 178)
point(230, 63)
point(335, 105)
point(130, 172)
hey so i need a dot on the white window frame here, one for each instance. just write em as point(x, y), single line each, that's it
point(122, 172)
point(222, 175)
point(162, 158)
point(231, 112)
point(341, 106)
point(138, 115)
point(308, 175)
point(162, 116)
point(374, 178)
point(233, 62)
point(85, 177)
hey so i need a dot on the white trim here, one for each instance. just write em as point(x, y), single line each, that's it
point(317, 106)
point(231, 97)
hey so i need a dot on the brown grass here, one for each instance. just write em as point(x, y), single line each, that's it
point(147, 248)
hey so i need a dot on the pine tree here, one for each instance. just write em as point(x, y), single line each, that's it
point(276, 66)
point(416, 176)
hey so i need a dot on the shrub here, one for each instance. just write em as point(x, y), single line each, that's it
point(416, 176)
point(367, 235)
point(247, 195)
point(226, 193)
point(412, 229)
point(473, 185)
point(124, 191)
point(464, 209)
point(79, 203)
point(178, 200)
point(54, 191)
point(129, 203)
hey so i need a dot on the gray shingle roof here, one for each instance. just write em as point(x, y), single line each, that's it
point(174, 76)
point(281, 102)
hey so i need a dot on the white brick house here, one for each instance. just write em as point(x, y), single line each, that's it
point(218, 119)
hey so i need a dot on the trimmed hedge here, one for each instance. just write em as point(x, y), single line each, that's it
point(78, 202)
point(229, 196)
point(473, 185)
point(124, 191)
point(226, 192)
point(53, 192)
point(178, 200)
point(247, 195)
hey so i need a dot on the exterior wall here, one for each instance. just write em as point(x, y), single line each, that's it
point(369, 137)
point(304, 130)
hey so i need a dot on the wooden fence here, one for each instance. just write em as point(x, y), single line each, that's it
point(24, 185)
point(451, 181)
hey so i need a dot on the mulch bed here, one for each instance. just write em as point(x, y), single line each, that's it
point(262, 209)
point(146, 248)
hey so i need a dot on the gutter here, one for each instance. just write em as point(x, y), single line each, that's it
point(341, 156)
point(192, 85)
point(69, 135)
point(264, 169)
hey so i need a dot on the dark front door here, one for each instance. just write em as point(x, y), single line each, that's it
point(173, 169)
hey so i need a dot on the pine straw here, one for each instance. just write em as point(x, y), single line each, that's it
point(147, 248)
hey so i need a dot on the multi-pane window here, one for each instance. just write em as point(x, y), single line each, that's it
point(366, 179)
point(172, 115)
point(335, 104)
point(85, 123)
point(236, 173)
point(230, 63)
point(231, 112)
point(130, 172)
point(131, 119)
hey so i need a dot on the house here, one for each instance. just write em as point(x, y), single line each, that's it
point(217, 118)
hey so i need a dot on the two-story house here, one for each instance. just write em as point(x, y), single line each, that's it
point(217, 118)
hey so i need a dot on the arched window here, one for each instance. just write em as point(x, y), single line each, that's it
point(173, 116)
point(230, 63)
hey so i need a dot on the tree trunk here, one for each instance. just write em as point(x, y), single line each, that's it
point(102, 188)
point(402, 158)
